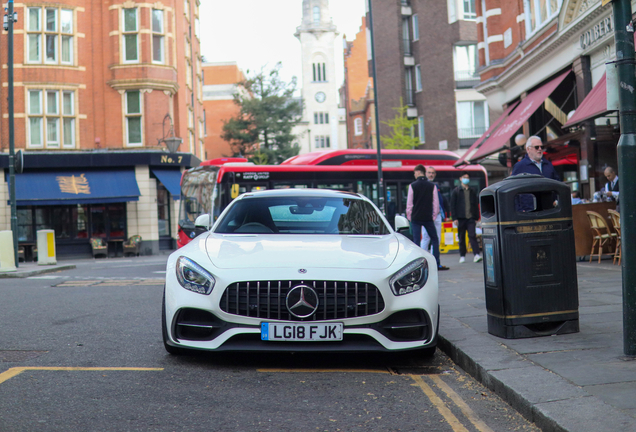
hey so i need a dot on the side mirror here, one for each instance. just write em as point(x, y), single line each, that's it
point(202, 224)
point(401, 222)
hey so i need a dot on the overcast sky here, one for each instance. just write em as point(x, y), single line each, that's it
point(255, 33)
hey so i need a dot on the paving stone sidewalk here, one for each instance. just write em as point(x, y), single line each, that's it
point(577, 382)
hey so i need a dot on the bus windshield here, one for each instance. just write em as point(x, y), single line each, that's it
point(198, 190)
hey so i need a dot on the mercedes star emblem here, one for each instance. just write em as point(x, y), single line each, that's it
point(302, 301)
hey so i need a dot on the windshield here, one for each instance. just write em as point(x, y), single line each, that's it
point(302, 215)
point(197, 193)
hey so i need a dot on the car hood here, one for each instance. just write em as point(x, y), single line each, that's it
point(235, 251)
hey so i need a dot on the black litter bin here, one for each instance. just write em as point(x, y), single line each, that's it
point(529, 258)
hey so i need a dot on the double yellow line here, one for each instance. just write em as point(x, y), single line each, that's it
point(441, 406)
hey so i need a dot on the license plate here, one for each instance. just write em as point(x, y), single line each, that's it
point(295, 332)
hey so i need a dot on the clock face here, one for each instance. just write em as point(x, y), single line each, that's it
point(320, 97)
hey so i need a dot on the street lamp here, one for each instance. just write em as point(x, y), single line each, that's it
point(172, 142)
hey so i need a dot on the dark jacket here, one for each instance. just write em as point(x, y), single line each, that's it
point(422, 200)
point(458, 206)
point(525, 165)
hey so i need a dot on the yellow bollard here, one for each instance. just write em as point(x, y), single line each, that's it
point(7, 254)
point(46, 247)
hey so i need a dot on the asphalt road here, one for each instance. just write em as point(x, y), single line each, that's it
point(81, 350)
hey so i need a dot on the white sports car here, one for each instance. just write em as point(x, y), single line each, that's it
point(300, 270)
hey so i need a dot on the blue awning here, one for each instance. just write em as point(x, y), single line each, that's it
point(171, 179)
point(75, 187)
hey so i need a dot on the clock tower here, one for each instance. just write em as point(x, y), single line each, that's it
point(324, 120)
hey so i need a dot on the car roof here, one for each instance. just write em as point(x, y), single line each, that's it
point(302, 192)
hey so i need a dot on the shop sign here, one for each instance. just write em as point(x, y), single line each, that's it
point(74, 184)
point(165, 159)
point(597, 32)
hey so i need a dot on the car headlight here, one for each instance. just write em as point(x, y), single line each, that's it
point(411, 278)
point(193, 277)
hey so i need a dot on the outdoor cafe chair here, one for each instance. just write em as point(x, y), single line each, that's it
point(600, 233)
point(616, 221)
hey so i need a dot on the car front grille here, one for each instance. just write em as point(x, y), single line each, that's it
point(336, 299)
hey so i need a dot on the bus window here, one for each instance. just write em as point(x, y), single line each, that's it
point(347, 187)
point(290, 185)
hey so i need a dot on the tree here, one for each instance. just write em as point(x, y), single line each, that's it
point(402, 131)
point(262, 130)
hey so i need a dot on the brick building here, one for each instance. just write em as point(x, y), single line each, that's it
point(426, 56)
point(219, 86)
point(98, 85)
point(357, 92)
point(539, 60)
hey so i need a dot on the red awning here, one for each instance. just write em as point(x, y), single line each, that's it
point(594, 105)
point(473, 148)
point(500, 139)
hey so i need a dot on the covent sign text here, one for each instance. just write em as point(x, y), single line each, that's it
point(591, 36)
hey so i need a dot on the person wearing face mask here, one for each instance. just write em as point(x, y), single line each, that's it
point(465, 213)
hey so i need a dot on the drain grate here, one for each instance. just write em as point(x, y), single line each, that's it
point(18, 355)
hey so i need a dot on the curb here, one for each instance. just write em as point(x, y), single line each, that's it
point(43, 270)
point(538, 394)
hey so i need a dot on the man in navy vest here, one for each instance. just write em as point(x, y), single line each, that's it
point(422, 208)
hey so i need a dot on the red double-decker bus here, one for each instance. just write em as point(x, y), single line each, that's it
point(210, 187)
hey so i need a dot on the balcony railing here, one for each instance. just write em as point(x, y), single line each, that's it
point(410, 97)
point(472, 132)
point(466, 75)
point(408, 51)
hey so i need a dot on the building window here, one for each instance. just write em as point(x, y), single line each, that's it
point(418, 78)
point(321, 118)
point(54, 36)
point(420, 129)
point(322, 141)
point(133, 118)
point(51, 120)
point(538, 12)
point(157, 36)
point(320, 72)
point(197, 28)
point(406, 37)
point(186, 9)
point(316, 14)
point(465, 62)
point(130, 35)
point(472, 119)
point(205, 124)
point(416, 28)
point(408, 81)
point(357, 123)
point(469, 9)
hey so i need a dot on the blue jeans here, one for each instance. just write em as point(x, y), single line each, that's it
point(429, 226)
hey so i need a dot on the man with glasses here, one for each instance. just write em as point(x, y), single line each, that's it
point(534, 162)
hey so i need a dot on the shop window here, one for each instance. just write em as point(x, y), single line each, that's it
point(163, 210)
point(51, 118)
point(130, 35)
point(133, 118)
point(157, 36)
point(49, 35)
point(25, 225)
